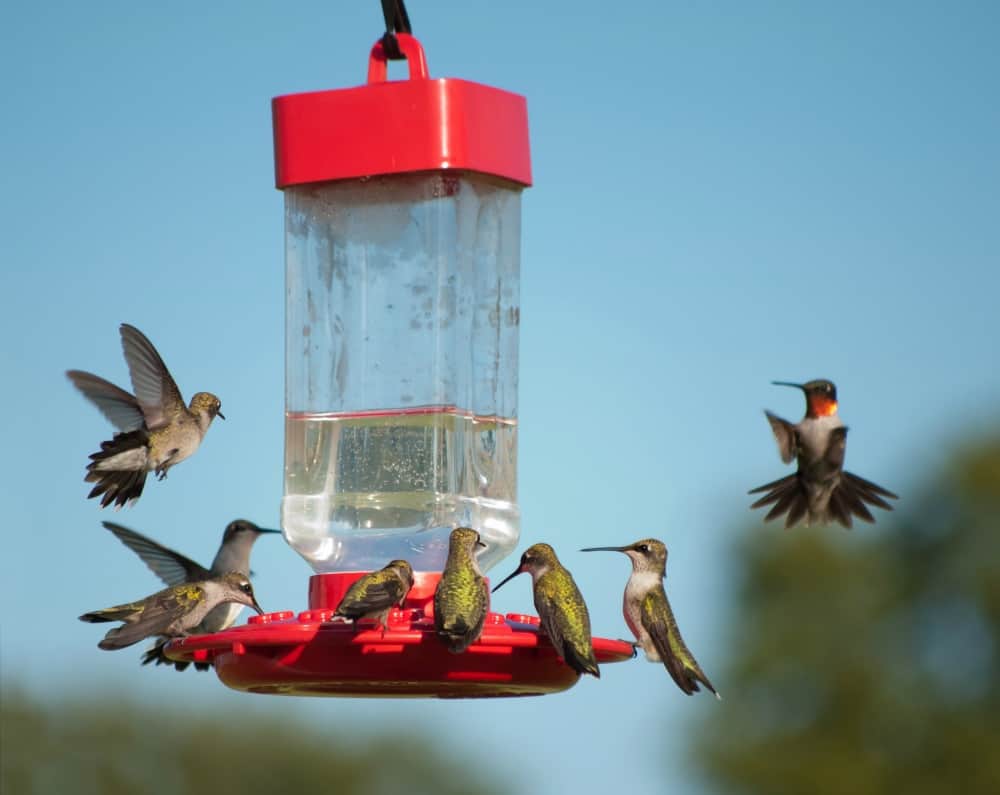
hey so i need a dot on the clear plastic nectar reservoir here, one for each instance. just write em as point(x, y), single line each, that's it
point(401, 383)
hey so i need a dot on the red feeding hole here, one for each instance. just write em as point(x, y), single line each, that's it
point(311, 654)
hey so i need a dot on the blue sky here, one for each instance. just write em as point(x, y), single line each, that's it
point(725, 194)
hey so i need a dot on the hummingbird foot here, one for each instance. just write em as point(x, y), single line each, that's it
point(634, 644)
point(165, 464)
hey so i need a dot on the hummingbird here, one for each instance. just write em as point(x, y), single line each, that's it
point(176, 569)
point(172, 612)
point(374, 594)
point(649, 617)
point(462, 597)
point(560, 606)
point(820, 490)
point(155, 429)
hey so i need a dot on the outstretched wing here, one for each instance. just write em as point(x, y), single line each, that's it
point(171, 567)
point(658, 620)
point(785, 436)
point(119, 407)
point(155, 390)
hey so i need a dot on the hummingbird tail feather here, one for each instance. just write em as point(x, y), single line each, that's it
point(127, 634)
point(868, 487)
point(119, 469)
point(867, 491)
point(788, 496)
point(117, 639)
point(769, 487)
point(155, 654)
point(848, 500)
point(700, 676)
point(584, 663)
point(852, 494)
point(839, 510)
point(120, 488)
point(97, 617)
point(457, 636)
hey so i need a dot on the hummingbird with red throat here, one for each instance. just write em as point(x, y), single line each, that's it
point(820, 491)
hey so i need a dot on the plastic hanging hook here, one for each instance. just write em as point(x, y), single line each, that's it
point(411, 51)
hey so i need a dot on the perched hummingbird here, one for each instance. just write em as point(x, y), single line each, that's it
point(176, 569)
point(820, 491)
point(174, 611)
point(560, 606)
point(374, 595)
point(648, 614)
point(156, 429)
point(462, 598)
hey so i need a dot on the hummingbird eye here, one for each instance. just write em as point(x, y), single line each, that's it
point(644, 548)
point(245, 587)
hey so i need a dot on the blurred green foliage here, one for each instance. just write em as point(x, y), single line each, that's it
point(869, 662)
point(113, 748)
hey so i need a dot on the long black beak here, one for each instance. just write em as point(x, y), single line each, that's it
point(604, 549)
point(506, 579)
point(267, 530)
point(256, 606)
point(220, 415)
point(788, 383)
point(481, 544)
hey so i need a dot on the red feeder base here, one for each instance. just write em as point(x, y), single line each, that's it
point(313, 654)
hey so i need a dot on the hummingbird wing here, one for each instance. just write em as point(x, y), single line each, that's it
point(658, 620)
point(155, 390)
point(171, 567)
point(371, 594)
point(785, 436)
point(119, 407)
point(567, 623)
point(154, 616)
point(461, 602)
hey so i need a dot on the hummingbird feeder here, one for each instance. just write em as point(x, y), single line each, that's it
point(402, 252)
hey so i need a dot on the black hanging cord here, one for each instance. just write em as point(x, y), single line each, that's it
point(396, 21)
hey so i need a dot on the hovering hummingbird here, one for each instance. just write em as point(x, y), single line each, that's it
point(374, 595)
point(156, 429)
point(820, 491)
point(462, 597)
point(648, 614)
point(176, 569)
point(174, 611)
point(560, 606)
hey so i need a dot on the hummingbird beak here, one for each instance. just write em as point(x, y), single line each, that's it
point(506, 579)
point(788, 383)
point(220, 415)
point(267, 530)
point(605, 549)
point(481, 544)
point(257, 607)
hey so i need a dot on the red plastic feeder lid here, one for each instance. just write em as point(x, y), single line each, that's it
point(313, 654)
point(400, 126)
